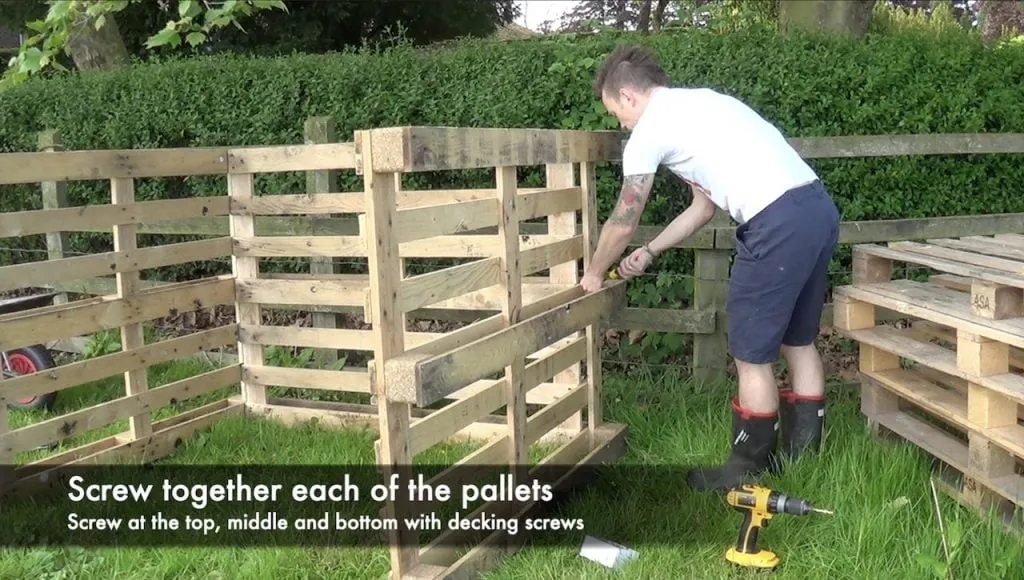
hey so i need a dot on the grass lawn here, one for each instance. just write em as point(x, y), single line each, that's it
point(884, 524)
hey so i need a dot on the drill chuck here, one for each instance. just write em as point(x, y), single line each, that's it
point(780, 503)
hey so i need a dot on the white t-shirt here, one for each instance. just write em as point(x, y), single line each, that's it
point(718, 144)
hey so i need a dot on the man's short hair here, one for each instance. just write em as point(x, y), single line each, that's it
point(629, 66)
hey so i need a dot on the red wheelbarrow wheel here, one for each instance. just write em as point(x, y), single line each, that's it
point(28, 360)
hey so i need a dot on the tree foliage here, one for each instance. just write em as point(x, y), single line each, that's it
point(651, 16)
point(68, 20)
point(1000, 19)
point(101, 34)
point(337, 25)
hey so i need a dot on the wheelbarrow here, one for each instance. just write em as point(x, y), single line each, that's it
point(28, 359)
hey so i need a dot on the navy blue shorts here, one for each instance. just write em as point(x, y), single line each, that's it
point(779, 278)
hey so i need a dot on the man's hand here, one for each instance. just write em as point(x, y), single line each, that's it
point(634, 264)
point(591, 283)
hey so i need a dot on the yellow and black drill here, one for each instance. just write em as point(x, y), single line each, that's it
point(758, 505)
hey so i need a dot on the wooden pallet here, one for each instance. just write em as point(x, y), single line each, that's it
point(951, 381)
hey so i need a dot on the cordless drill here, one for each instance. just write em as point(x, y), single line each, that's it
point(758, 505)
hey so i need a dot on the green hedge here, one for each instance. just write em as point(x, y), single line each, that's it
point(808, 85)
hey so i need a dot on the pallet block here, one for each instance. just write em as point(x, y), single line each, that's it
point(950, 382)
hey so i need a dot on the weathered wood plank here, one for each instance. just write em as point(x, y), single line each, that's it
point(110, 164)
point(910, 229)
point(427, 289)
point(943, 265)
point(704, 238)
point(981, 245)
point(104, 217)
point(415, 149)
point(443, 219)
point(698, 321)
point(287, 225)
point(309, 157)
point(324, 292)
point(893, 145)
point(299, 246)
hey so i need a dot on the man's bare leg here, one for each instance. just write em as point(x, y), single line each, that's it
point(805, 369)
point(758, 390)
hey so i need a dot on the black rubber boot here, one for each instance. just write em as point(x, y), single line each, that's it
point(803, 420)
point(754, 438)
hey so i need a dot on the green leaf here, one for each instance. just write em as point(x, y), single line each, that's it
point(187, 8)
point(59, 10)
point(217, 18)
point(268, 4)
point(37, 25)
point(30, 60)
point(195, 38)
point(95, 9)
point(100, 21)
point(165, 36)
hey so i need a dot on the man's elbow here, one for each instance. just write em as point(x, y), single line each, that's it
point(707, 212)
point(704, 210)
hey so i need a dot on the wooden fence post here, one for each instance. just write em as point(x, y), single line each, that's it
point(710, 287)
point(322, 130)
point(55, 195)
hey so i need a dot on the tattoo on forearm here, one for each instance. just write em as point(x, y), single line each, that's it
point(632, 199)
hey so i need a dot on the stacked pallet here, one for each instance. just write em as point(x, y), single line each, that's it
point(950, 382)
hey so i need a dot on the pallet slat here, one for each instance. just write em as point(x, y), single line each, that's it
point(943, 265)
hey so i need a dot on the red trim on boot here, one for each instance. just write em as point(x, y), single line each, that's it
point(748, 414)
point(790, 396)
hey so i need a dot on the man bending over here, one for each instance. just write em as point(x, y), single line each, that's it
point(788, 227)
